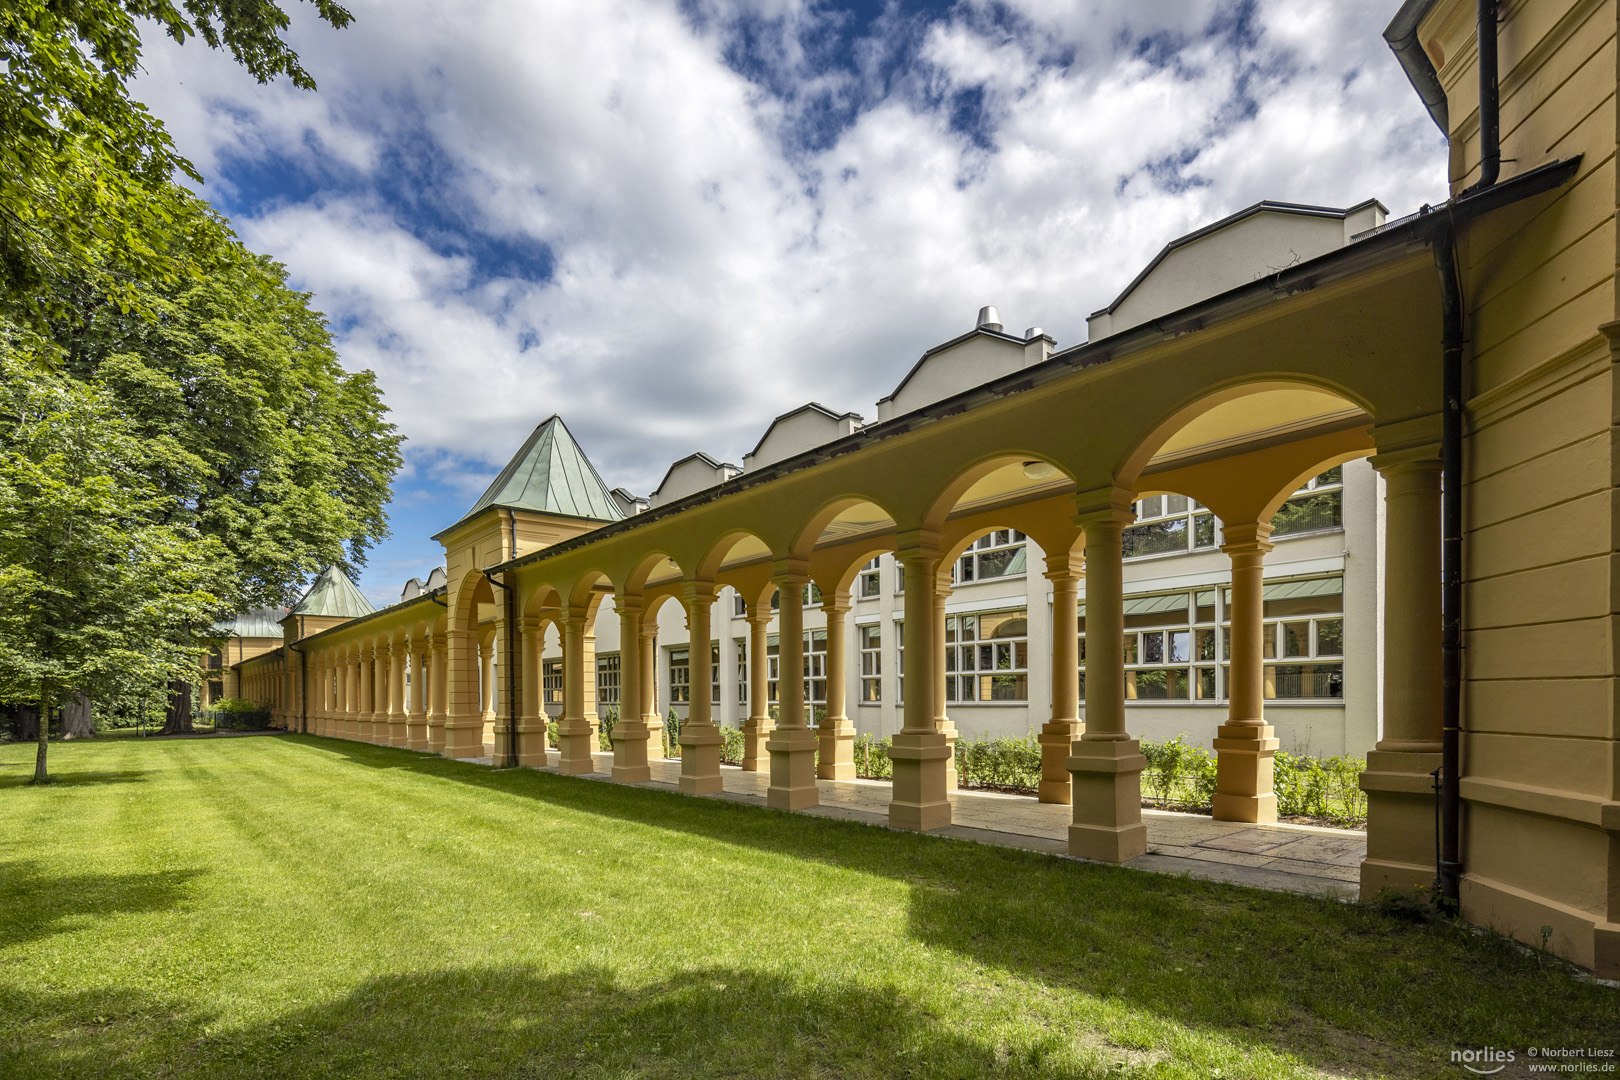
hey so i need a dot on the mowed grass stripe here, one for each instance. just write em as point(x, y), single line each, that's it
point(292, 906)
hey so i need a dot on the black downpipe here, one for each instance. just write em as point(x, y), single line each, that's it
point(1490, 107)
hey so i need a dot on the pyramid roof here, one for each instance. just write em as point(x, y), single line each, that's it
point(333, 594)
point(550, 474)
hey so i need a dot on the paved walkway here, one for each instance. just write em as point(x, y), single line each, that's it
point(1287, 858)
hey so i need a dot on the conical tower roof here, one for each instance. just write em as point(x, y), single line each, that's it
point(333, 594)
point(550, 474)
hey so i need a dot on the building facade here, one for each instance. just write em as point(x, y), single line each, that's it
point(1464, 354)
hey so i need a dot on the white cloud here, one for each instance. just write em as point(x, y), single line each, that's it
point(711, 270)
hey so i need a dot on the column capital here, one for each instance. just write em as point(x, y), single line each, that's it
point(917, 543)
point(1104, 504)
point(1246, 538)
point(1397, 461)
point(528, 624)
point(1062, 567)
point(790, 572)
point(835, 603)
point(625, 605)
point(575, 617)
point(698, 592)
point(1109, 517)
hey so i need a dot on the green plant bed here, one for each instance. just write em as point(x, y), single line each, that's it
point(305, 907)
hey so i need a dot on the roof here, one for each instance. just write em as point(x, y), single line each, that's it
point(333, 594)
point(550, 474)
point(809, 406)
point(1261, 207)
point(261, 623)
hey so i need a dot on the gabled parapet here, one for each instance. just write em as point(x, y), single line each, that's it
point(805, 428)
point(984, 353)
point(692, 473)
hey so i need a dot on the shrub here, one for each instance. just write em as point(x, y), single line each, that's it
point(237, 714)
point(731, 751)
point(1005, 764)
point(872, 758)
point(604, 733)
point(1182, 777)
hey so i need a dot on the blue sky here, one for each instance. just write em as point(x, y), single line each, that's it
point(670, 220)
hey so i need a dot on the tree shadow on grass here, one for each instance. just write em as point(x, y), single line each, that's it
point(519, 1022)
point(35, 905)
point(60, 778)
point(1338, 985)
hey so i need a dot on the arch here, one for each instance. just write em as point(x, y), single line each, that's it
point(1288, 400)
point(997, 476)
point(805, 541)
point(543, 596)
point(707, 565)
point(653, 565)
point(584, 592)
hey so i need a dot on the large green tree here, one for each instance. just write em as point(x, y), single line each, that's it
point(258, 435)
point(86, 171)
point(102, 587)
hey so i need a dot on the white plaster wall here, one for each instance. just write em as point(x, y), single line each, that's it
point(793, 434)
point(691, 475)
point(975, 361)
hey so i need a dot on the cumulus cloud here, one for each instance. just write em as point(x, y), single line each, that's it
point(669, 222)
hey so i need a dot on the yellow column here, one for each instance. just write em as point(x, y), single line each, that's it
point(920, 750)
point(589, 680)
point(837, 734)
point(347, 681)
point(576, 738)
point(1059, 733)
point(398, 725)
point(792, 746)
point(464, 704)
point(1400, 794)
point(759, 725)
point(438, 690)
point(650, 711)
point(942, 721)
point(532, 740)
point(1105, 763)
point(700, 739)
point(1245, 745)
point(360, 712)
point(630, 733)
point(416, 735)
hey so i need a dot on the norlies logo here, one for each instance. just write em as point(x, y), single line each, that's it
point(1486, 1060)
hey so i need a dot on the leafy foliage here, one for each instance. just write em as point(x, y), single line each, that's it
point(104, 588)
point(86, 171)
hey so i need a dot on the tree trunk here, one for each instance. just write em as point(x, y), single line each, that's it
point(76, 717)
point(40, 775)
point(178, 719)
point(27, 723)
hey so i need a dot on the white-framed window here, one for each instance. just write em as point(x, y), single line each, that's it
point(741, 645)
point(607, 678)
point(551, 682)
point(869, 583)
point(899, 577)
point(714, 675)
point(987, 656)
point(871, 651)
point(997, 554)
point(815, 667)
point(1316, 507)
point(1172, 641)
point(739, 606)
point(680, 675)
point(811, 595)
point(1169, 524)
point(1303, 640)
point(899, 663)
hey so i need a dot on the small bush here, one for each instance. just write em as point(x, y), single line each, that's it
point(236, 714)
point(604, 732)
point(872, 758)
point(1004, 764)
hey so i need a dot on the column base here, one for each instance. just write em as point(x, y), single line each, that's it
point(630, 753)
point(700, 759)
point(360, 730)
point(1243, 769)
point(1057, 743)
point(1106, 775)
point(793, 769)
point(435, 735)
point(953, 780)
point(1400, 822)
point(756, 733)
point(463, 738)
point(576, 741)
point(836, 760)
point(416, 733)
point(655, 738)
point(920, 801)
point(532, 750)
point(398, 733)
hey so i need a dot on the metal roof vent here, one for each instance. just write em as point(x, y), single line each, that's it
point(989, 318)
point(1033, 332)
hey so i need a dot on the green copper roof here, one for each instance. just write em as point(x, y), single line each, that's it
point(333, 594)
point(263, 623)
point(550, 474)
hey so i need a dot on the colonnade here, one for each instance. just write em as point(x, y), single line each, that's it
point(358, 690)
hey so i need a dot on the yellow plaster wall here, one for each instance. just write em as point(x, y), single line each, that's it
point(1539, 659)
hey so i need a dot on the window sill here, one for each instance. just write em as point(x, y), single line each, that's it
point(1214, 549)
point(1307, 535)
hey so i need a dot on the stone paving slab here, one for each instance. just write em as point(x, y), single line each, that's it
point(1282, 857)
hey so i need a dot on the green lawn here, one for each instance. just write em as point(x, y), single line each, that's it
point(292, 906)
